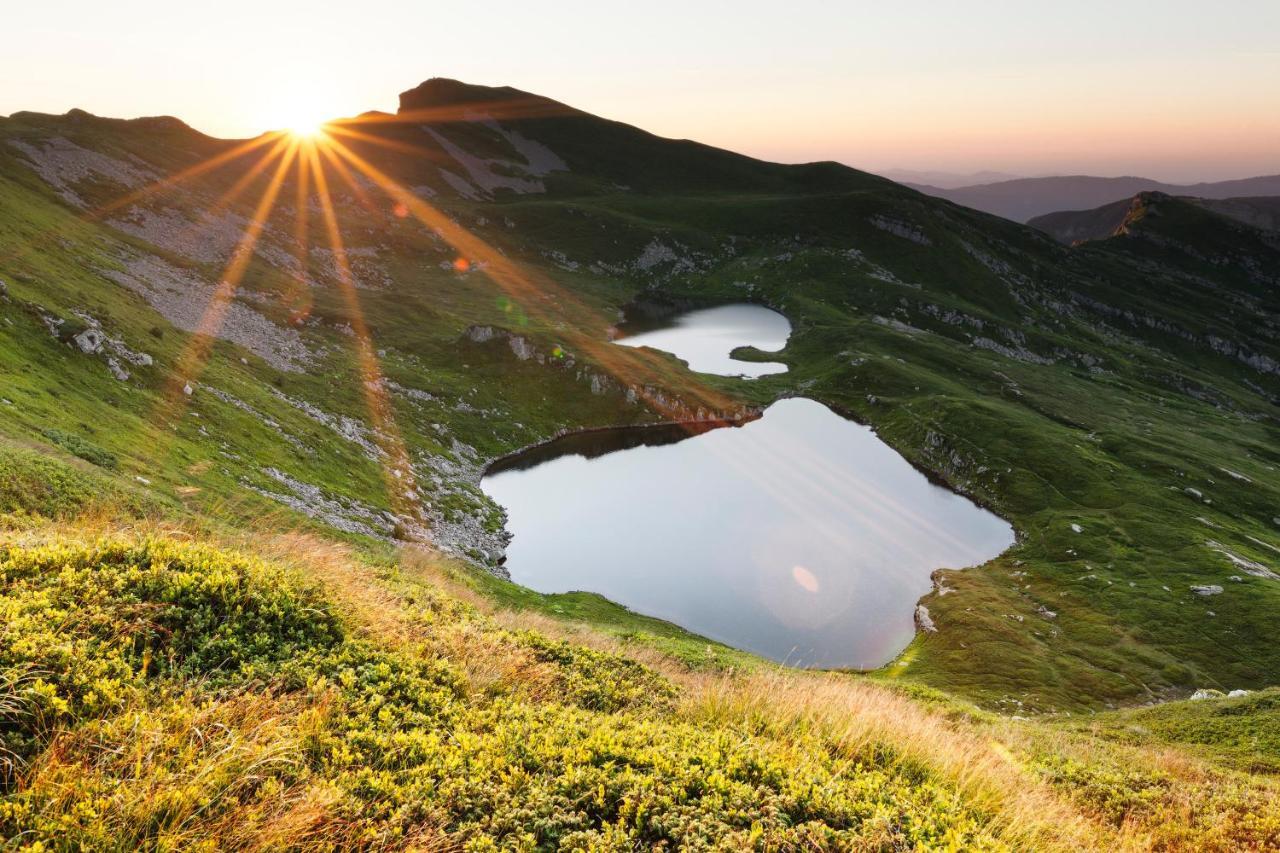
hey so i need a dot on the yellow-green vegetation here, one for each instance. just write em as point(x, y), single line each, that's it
point(158, 692)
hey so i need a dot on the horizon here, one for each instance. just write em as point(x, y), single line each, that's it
point(1107, 91)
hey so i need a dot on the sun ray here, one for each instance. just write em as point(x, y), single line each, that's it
point(810, 480)
point(186, 174)
point(301, 234)
point(227, 198)
point(390, 144)
point(168, 182)
point(541, 297)
point(361, 194)
point(397, 470)
point(194, 356)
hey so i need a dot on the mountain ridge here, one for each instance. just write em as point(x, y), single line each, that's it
point(1023, 199)
point(1070, 227)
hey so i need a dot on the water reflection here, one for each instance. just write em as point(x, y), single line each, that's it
point(800, 536)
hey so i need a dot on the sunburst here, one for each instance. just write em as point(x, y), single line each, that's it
point(309, 149)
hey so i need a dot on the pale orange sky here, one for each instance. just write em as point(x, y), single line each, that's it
point(1172, 90)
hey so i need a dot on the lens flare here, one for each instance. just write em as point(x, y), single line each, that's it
point(805, 579)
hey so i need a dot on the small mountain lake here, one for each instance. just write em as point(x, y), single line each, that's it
point(704, 338)
point(799, 536)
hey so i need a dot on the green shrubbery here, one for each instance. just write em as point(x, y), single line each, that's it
point(196, 694)
point(85, 449)
point(36, 484)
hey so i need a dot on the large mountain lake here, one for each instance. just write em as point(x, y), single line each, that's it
point(800, 536)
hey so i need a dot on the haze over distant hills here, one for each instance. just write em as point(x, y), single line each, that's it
point(1023, 199)
point(947, 180)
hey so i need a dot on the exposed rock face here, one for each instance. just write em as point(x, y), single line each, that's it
point(1207, 590)
point(898, 228)
point(924, 621)
point(486, 175)
point(183, 298)
point(63, 165)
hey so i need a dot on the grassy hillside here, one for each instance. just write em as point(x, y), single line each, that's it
point(164, 691)
point(1116, 402)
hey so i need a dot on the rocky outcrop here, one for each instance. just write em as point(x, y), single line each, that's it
point(898, 228)
point(599, 383)
point(64, 166)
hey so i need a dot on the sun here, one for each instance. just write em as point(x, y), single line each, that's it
point(299, 116)
point(306, 128)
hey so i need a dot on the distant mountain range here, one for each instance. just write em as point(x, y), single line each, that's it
point(1024, 199)
point(1076, 226)
point(946, 180)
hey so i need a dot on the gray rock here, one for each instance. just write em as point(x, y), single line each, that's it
point(924, 620)
point(1207, 590)
point(90, 340)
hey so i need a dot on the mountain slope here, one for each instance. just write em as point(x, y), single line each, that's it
point(1073, 226)
point(1024, 199)
point(488, 240)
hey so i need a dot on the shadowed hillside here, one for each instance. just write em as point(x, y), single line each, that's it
point(1074, 226)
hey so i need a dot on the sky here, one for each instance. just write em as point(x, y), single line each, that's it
point(1173, 90)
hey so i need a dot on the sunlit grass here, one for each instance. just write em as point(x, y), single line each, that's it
point(250, 710)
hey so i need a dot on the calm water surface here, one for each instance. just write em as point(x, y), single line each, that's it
point(799, 536)
point(705, 338)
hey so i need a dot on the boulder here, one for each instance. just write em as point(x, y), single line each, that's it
point(90, 341)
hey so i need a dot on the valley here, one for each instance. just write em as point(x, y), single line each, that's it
point(295, 398)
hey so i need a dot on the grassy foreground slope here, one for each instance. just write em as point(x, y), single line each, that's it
point(159, 690)
point(1116, 402)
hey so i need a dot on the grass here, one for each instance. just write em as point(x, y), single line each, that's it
point(1241, 732)
point(162, 691)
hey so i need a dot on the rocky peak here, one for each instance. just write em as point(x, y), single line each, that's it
point(445, 92)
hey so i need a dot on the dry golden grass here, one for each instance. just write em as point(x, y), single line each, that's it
point(988, 761)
